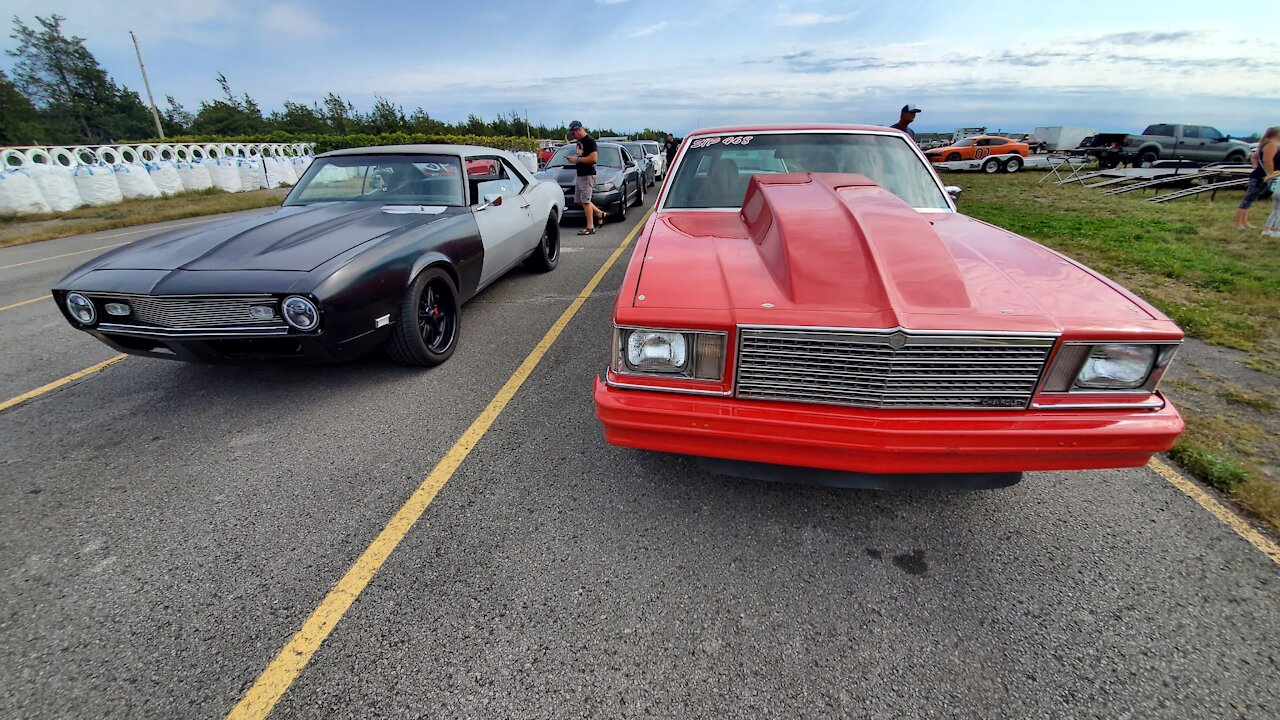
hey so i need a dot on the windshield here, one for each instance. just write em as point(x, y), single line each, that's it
point(607, 155)
point(714, 171)
point(388, 179)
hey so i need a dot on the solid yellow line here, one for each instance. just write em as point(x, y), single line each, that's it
point(284, 669)
point(24, 302)
point(59, 383)
point(108, 247)
point(1220, 511)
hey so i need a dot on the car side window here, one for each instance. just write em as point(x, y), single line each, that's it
point(626, 156)
point(1191, 131)
point(1209, 133)
point(997, 141)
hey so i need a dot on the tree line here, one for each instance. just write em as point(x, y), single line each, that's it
point(60, 95)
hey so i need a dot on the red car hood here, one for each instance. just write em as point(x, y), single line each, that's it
point(838, 250)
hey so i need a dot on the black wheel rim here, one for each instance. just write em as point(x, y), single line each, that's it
point(437, 316)
point(551, 244)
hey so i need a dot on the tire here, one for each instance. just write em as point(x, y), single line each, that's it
point(1147, 158)
point(640, 195)
point(953, 157)
point(991, 166)
point(424, 338)
point(546, 256)
point(1235, 159)
point(1013, 164)
point(622, 204)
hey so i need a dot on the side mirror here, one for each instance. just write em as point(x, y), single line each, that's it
point(953, 191)
point(490, 200)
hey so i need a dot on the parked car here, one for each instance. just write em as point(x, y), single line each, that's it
point(374, 247)
point(1165, 141)
point(648, 166)
point(807, 295)
point(976, 148)
point(618, 180)
point(654, 149)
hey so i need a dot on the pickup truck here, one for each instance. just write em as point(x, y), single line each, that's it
point(1165, 141)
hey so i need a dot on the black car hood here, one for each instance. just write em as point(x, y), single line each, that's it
point(566, 176)
point(298, 238)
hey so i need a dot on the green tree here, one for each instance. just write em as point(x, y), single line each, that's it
point(228, 116)
point(298, 118)
point(175, 119)
point(421, 122)
point(339, 114)
point(19, 121)
point(385, 117)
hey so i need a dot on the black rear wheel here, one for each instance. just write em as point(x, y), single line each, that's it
point(430, 321)
point(547, 255)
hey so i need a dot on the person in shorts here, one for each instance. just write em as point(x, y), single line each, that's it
point(584, 161)
point(1264, 166)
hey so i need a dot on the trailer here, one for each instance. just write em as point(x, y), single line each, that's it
point(1009, 163)
point(1058, 137)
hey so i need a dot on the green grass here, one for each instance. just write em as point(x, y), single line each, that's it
point(23, 229)
point(1219, 284)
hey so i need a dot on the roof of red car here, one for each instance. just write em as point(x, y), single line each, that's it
point(809, 126)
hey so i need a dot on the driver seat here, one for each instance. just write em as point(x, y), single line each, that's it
point(721, 186)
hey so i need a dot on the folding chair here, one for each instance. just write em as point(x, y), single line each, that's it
point(1056, 162)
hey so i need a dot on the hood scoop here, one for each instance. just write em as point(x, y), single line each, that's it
point(822, 235)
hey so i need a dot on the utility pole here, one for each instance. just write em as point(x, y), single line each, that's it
point(155, 114)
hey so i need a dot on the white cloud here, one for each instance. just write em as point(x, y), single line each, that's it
point(810, 18)
point(647, 30)
point(293, 20)
point(611, 2)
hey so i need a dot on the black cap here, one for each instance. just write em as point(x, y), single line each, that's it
point(575, 125)
point(909, 108)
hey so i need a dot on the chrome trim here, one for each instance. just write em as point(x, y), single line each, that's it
point(680, 391)
point(184, 312)
point(724, 358)
point(1156, 372)
point(195, 333)
point(905, 331)
point(659, 206)
point(1156, 403)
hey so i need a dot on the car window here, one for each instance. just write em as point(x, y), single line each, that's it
point(965, 142)
point(635, 150)
point(506, 187)
point(997, 141)
point(606, 155)
point(1159, 130)
point(389, 179)
point(1209, 133)
point(1191, 131)
point(716, 169)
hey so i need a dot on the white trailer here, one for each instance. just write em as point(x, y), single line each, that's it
point(1057, 137)
point(1009, 163)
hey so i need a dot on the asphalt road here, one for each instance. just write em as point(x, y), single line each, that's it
point(166, 528)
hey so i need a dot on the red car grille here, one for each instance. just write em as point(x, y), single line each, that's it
point(890, 369)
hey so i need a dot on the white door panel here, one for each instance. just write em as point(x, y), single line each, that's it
point(503, 229)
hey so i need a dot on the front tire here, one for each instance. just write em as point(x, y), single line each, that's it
point(953, 157)
point(546, 256)
point(640, 195)
point(430, 321)
point(622, 204)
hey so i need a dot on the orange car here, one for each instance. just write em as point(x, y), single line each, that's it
point(976, 148)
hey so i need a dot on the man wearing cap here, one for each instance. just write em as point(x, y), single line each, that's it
point(904, 120)
point(584, 163)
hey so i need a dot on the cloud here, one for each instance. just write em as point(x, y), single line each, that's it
point(293, 20)
point(810, 18)
point(1146, 38)
point(647, 30)
point(610, 2)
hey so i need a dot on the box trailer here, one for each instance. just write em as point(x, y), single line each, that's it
point(1057, 138)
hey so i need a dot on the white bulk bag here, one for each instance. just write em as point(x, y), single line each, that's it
point(529, 159)
point(135, 182)
point(97, 185)
point(55, 181)
point(278, 173)
point(19, 194)
point(300, 165)
point(194, 176)
point(250, 173)
point(224, 174)
point(164, 173)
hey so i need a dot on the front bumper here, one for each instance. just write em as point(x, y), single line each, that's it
point(602, 200)
point(884, 441)
point(198, 346)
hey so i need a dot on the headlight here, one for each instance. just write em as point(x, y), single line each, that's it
point(1116, 367)
point(698, 355)
point(81, 308)
point(300, 312)
point(606, 187)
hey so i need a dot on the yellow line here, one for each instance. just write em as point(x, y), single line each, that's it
point(59, 383)
point(108, 247)
point(1220, 511)
point(24, 302)
point(284, 669)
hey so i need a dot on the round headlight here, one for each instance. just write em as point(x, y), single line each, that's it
point(300, 312)
point(81, 308)
point(1116, 367)
point(653, 351)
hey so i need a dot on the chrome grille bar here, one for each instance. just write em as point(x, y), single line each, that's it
point(195, 311)
point(891, 368)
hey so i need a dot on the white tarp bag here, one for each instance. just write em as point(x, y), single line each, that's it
point(276, 176)
point(97, 185)
point(287, 171)
point(135, 182)
point(194, 176)
point(250, 174)
point(19, 194)
point(164, 174)
point(224, 174)
point(55, 181)
point(300, 165)
point(529, 159)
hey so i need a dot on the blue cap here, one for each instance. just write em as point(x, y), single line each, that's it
point(575, 125)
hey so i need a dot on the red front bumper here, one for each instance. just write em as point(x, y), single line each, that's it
point(884, 441)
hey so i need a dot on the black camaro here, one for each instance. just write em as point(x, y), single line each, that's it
point(374, 247)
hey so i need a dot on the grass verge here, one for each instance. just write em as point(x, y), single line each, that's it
point(1219, 284)
point(23, 229)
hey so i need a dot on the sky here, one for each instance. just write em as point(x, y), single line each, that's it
point(631, 64)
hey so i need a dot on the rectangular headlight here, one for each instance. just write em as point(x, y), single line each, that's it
point(1085, 367)
point(694, 354)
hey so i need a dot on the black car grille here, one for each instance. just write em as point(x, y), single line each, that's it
point(890, 369)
